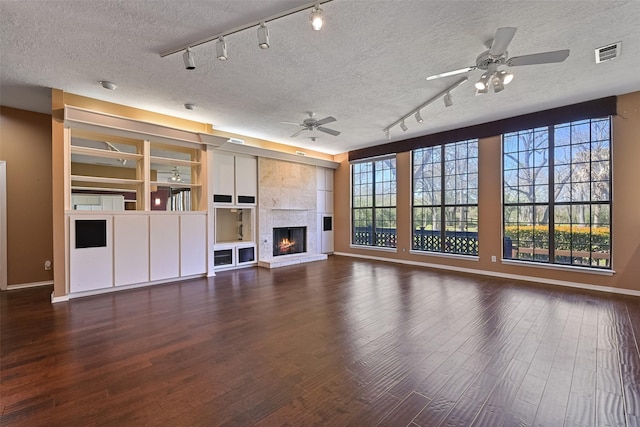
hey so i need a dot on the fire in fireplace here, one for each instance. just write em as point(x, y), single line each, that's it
point(289, 240)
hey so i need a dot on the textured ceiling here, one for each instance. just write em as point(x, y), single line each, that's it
point(367, 66)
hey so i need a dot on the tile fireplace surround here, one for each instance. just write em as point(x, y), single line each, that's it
point(287, 199)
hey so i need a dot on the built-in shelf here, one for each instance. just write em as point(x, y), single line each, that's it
point(175, 184)
point(105, 180)
point(120, 155)
point(174, 162)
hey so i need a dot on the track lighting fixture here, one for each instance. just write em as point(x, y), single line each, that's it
point(108, 85)
point(445, 94)
point(221, 49)
point(316, 17)
point(189, 59)
point(448, 102)
point(263, 36)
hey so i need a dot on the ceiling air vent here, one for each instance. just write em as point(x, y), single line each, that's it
point(605, 53)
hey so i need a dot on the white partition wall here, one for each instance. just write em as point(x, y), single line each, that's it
point(193, 244)
point(131, 249)
point(90, 252)
point(164, 240)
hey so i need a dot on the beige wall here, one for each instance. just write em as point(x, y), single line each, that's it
point(25, 144)
point(626, 210)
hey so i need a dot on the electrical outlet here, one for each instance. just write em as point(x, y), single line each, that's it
point(493, 258)
point(47, 265)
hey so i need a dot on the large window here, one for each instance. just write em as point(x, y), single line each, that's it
point(557, 194)
point(445, 198)
point(374, 203)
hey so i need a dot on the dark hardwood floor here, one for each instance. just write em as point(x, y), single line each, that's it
point(341, 342)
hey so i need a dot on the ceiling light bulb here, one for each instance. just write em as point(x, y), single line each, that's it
point(403, 126)
point(263, 36)
point(108, 85)
point(189, 59)
point(317, 18)
point(506, 77)
point(448, 102)
point(419, 117)
point(497, 83)
point(483, 83)
point(221, 49)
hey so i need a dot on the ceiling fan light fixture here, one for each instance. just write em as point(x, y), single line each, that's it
point(419, 118)
point(317, 18)
point(403, 126)
point(506, 77)
point(221, 49)
point(483, 83)
point(189, 59)
point(497, 84)
point(448, 102)
point(263, 36)
point(175, 177)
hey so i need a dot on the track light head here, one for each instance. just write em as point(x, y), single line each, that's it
point(419, 118)
point(316, 17)
point(108, 85)
point(189, 59)
point(403, 126)
point(263, 36)
point(387, 134)
point(221, 49)
point(448, 102)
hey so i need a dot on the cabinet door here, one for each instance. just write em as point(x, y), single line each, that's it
point(193, 244)
point(224, 178)
point(90, 253)
point(246, 175)
point(131, 249)
point(164, 239)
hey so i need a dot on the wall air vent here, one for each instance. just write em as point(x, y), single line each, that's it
point(606, 53)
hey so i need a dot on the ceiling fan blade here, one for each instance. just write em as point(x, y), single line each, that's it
point(329, 131)
point(539, 58)
point(501, 40)
point(451, 73)
point(299, 132)
point(325, 121)
point(291, 123)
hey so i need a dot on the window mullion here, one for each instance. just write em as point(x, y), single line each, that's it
point(552, 202)
point(442, 198)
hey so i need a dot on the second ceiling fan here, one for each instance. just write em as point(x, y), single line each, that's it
point(311, 124)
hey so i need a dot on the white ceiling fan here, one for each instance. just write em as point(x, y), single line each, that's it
point(497, 55)
point(312, 124)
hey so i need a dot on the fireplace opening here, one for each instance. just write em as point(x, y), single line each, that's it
point(289, 240)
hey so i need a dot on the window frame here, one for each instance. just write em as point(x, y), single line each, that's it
point(457, 249)
point(553, 165)
point(373, 239)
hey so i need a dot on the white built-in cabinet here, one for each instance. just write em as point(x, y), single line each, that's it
point(325, 209)
point(107, 251)
point(235, 179)
point(235, 193)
